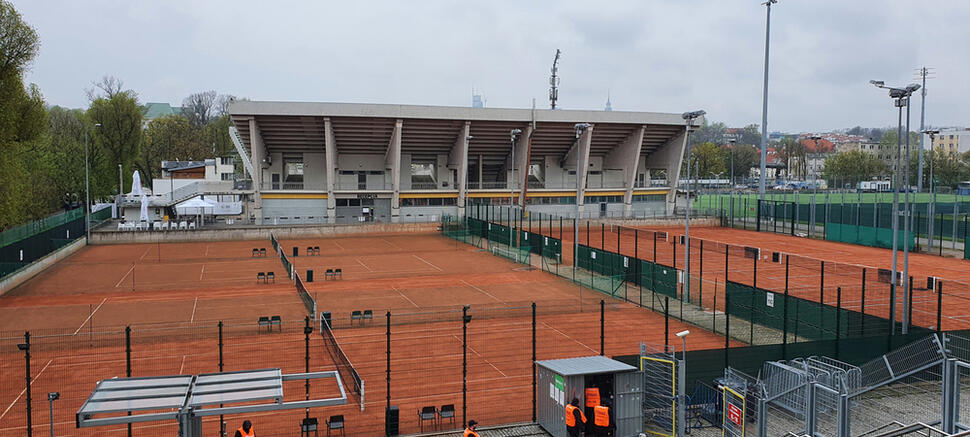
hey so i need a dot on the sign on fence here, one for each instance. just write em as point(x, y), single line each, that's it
point(734, 411)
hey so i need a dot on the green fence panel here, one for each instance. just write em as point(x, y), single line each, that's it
point(865, 235)
point(28, 230)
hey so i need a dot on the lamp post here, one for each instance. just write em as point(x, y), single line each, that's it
point(932, 133)
point(87, 187)
point(513, 134)
point(901, 97)
point(732, 141)
point(51, 397)
point(764, 104)
point(814, 178)
point(681, 385)
point(580, 128)
point(689, 118)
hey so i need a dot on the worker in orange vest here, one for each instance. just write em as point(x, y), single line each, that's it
point(470, 430)
point(246, 430)
point(575, 419)
point(603, 420)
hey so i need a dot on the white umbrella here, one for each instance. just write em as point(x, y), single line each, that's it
point(144, 206)
point(136, 184)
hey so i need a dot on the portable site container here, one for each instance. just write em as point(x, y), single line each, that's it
point(559, 381)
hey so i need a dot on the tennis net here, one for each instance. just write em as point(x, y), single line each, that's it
point(344, 367)
point(276, 244)
point(311, 304)
point(286, 265)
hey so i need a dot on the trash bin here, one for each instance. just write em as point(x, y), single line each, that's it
point(296, 251)
point(391, 420)
point(325, 316)
point(309, 275)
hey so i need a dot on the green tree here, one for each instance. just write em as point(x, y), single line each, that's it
point(708, 133)
point(793, 153)
point(117, 139)
point(744, 157)
point(66, 152)
point(853, 166)
point(707, 160)
point(171, 137)
point(751, 134)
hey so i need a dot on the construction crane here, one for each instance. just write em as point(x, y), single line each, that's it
point(554, 81)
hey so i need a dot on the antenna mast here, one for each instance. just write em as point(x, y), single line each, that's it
point(554, 81)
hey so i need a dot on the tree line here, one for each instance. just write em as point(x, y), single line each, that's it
point(42, 147)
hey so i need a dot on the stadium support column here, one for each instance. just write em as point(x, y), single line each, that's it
point(626, 156)
point(522, 151)
point(581, 147)
point(392, 161)
point(458, 160)
point(669, 156)
point(258, 156)
point(331, 156)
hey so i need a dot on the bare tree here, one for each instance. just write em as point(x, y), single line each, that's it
point(222, 104)
point(107, 88)
point(199, 107)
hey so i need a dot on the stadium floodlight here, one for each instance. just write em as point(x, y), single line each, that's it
point(689, 122)
point(878, 83)
point(683, 333)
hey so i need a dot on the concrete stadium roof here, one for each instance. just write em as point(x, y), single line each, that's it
point(367, 128)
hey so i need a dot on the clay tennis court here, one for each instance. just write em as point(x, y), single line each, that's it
point(77, 311)
point(844, 267)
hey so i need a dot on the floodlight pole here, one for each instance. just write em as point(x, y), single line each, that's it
point(922, 120)
point(87, 190)
point(512, 134)
point(580, 128)
point(764, 104)
point(892, 297)
point(907, 226)
point(688, 121)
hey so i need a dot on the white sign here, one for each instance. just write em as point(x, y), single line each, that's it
point(366, 210)
point(525, 236)
point(490, 226)
point(770, 299)
point(593, 255)
point(626, 262)
point(545, 240)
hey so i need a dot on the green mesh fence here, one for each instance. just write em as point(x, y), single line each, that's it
point(865, 235)
point(27, 230)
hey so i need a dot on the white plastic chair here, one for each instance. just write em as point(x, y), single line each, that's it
point(121, 226)
point(157, 226)
point(192, 225)
point(183, 225)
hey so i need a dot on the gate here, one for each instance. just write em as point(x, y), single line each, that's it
point(660, 388)
point(734, 411)
point(629, 395)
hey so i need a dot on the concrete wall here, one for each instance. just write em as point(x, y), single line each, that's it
point(259, 233)
point(294, 211)
point(314, 171)
point(426, 213)
point(10, 282)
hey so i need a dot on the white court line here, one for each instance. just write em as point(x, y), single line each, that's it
point(338, 245)
point(573, 339)
point(405, 297)
point(182, 367)
point(483, 291)
point(25, 389)
point(483, 358)
point(365, 265)
point(194, 306)
point(146, 253)
point(90, 315)
point(392, 244)
point(206, 250)
point(203, 272)
point(426, 262)
point(126, 275)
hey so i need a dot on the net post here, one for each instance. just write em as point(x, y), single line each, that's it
point(306, 356)
point(534, 361)
point(464, 364)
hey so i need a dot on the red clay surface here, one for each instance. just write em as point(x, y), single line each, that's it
point(844, 264)
point(173, 295)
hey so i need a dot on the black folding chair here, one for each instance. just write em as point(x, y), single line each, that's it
point(255, 252)
point(428, 413)
point(309, 250)
point(328, 274)
point(262, 251)
point(447, 412)
point(356, 315)
point(264, 321)
point(308, 424)
point(338, 272)
point(368, 315)
point(261, 277)
point(316, 249)
point(276, 320)
point(336, 422)
point(269, 276)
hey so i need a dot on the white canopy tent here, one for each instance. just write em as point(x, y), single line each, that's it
point(136, 185)
point(195, 206)
point(144, 206)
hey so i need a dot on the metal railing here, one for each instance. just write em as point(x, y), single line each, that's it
point(487, 185)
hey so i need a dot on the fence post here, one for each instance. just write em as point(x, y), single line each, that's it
point(387, 370)
point(939, 306)
point(700, 277)
point(602, 327)
point(306, 356)
point(784, 319)
point(727, 324)
point(794, 216)
point(862, 328)
point(838, 320)
point(464, 364)
point(909, 315)
point(941, 234)
point(533, 361)
point(26, 348)
point(821, 294)
point(666, 322)
point(757, 214)
point(128, 362)
point(754, 287)
point(222, 422)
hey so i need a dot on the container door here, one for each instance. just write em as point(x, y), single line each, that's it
point(629, 404)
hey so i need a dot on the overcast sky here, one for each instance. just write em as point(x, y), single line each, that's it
point(663, 56)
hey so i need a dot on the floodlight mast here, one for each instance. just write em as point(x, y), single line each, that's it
point(689, 118)
point(554, 81)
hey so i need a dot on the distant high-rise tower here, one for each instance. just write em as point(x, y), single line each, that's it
point(609, 106)
point(477, 101)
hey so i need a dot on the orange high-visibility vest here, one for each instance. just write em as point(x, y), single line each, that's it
point(571, 417)
point(470, 433)
point(592, 397)
point(601, 416)
point(251, 433)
